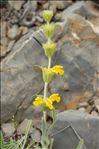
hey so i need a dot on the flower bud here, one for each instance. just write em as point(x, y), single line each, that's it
point(47, 15)
point(49, 30)
point(49, 49)
point(47, 77)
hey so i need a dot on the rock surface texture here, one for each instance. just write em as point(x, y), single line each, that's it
point(78, 51)
point(72, 126)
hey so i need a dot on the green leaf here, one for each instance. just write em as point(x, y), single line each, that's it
point(2, 141)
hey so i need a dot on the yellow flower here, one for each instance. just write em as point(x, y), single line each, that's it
point(55, 97)
point(58, 70)
point(47, 15)
point(49, 30)
point(38, 101)
point(49, 103)
point(49, 48)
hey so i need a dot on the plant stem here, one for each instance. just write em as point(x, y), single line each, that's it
point(49, 62)
point(45, 95)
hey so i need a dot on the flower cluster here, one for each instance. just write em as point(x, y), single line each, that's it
point(49, 72)
point(48, 102)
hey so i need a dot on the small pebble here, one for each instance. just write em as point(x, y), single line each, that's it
point(8, 129)
point(94, 113)
point(82, 109)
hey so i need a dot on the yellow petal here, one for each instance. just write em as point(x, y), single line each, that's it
point(38, 101)
point(58, 69)
point(55, 97)
point(49, 104)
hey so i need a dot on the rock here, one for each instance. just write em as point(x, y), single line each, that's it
point(3, 51)
point(16, 4)
point(53, 8)
point(33, 5)
point(18, 86)
point(73, 125)
point(61, 4)
point(58, 16)
point(3, 28)
point(4, 41)
point(22, 127)
point(94, 113)
point(80, 8)
point(89, 109)
point(10, 45)
point(36, 135)
point(24, 29)
point(83, 104)
point(14, 32)
point(77, 39)
point(97, 104)
point(8, 129)
point(45, 6)
point(82, 109)
point(30, 113)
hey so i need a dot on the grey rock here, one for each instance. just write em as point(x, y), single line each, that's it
point(61, 4)
point(16, 4)
point(3, 28)
point(10, 45)
point(8, 129)
point(35, 135)
point(33, 5)
point(22, 127)
point(19, 79)
point(79, 59)
point(71, 126)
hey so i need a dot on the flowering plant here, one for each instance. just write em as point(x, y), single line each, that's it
point(47, 73)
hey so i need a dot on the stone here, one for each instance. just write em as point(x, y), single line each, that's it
point(22, 127)
point(10, 45)
point(94, 113)
point(14, 32)
point(35, 135)
point(33, 5)
point(83, 104)
point(30, 113)
point(97, 104)
point(3, 51)
point(58, 16)
point(72, 126)
point(19, 79)
point(24, 30)
point(4, 41)
point(61, 4)
point(53, 8)
point(16, 4)
point(8, 129)
point(82, 109)
point(77, 38)
point(45, 6)
point(3, 31)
